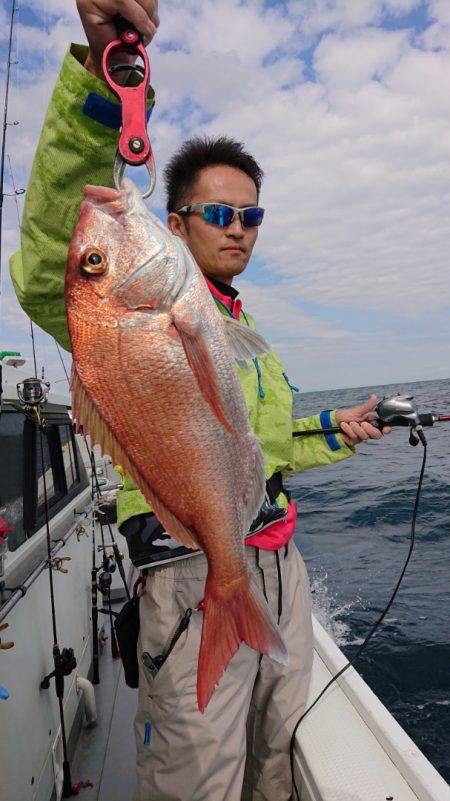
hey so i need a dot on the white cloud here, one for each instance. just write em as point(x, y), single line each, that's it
point(280, 303)
point(316, 16)
point(440, 11)
point(354, 60)
point(357, 164)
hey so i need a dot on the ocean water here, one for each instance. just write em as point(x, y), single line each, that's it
point(354, 533)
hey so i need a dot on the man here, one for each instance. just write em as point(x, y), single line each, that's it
point(239, 748)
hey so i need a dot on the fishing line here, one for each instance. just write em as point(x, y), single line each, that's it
point(16, 191)
point(62, 361)
point(33, 345)
point(375, 625)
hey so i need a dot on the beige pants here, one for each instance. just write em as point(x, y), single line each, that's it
point(238, 750)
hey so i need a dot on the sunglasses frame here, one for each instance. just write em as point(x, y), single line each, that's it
point(238, 212)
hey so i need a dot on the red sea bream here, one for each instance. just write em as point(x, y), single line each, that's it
point(155, 383)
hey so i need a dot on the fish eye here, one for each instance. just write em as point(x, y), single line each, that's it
point(93, 262)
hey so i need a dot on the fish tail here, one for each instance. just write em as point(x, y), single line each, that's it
point(228, 621)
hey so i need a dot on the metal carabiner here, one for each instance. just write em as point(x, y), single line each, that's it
point(134, 146)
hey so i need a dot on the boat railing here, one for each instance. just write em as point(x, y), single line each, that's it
point(20, 591)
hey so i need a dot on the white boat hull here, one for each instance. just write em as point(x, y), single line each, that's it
point(350, 748)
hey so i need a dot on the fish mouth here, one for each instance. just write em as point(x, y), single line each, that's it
point(106, 199)
point(101, 194)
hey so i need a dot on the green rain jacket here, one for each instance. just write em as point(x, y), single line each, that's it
point(77, 146)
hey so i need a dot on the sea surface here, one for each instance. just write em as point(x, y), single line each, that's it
point(354, 533)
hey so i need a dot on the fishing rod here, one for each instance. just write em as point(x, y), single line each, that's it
point(108, 567)
point(105, 577)
point(32, 395)
point(394, 410)
point(5, 125)
point(109, 564)
point(118, 556)
point(94, 603)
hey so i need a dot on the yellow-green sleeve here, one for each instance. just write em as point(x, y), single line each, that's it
point(74, 150)
point(316, 450)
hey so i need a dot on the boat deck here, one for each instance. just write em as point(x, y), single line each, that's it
point(105, 753)
point(352, 749)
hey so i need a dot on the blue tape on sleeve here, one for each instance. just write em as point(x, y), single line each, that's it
point(103, 111)
point(325, 422)
point(148, 734)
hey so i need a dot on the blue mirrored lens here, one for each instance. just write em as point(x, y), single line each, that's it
point(252, 217)
point(218, 214)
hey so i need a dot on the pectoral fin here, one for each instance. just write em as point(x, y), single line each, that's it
point(245, 342)
point(201, 364)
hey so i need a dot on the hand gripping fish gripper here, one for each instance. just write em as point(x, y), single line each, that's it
point(134, 146)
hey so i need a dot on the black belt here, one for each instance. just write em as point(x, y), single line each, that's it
point(141, 531)
point(274, 485)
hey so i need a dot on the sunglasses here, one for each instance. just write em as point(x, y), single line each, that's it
point(223, 215)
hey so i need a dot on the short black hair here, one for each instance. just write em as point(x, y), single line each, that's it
point(181, 171)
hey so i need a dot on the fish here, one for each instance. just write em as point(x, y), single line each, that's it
point(154, 382)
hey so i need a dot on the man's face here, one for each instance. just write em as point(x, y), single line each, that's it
point(220, 253)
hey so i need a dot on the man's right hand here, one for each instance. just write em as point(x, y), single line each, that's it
point(98, 20)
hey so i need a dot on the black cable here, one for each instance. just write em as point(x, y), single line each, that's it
point(280, 587)
point(376, 624)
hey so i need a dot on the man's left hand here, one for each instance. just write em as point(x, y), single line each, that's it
point(355, 423)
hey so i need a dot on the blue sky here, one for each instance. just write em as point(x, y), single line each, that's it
point(346, 104)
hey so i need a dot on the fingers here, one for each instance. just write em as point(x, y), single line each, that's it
point(362, 412)
point(355, 432)
point(98, 15)
point(143, 15)
point(367, 407)
point(98, 18)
